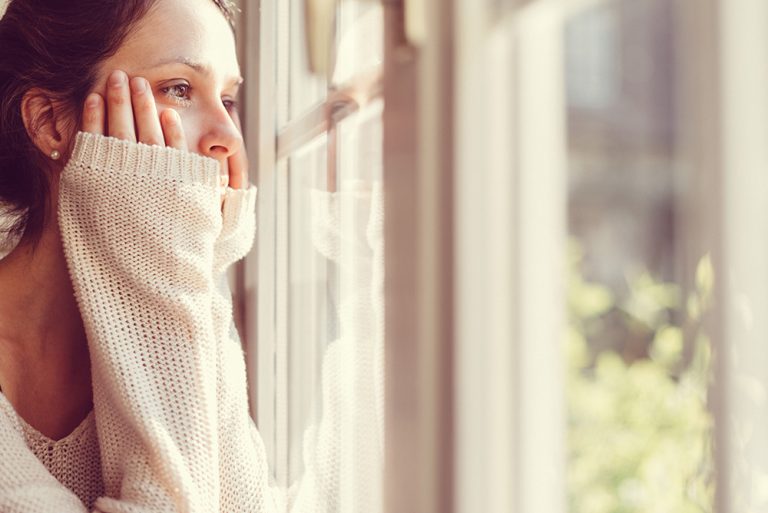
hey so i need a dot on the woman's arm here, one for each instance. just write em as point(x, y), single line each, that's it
point(244, 471)
point(139, 225)
point(148, 242)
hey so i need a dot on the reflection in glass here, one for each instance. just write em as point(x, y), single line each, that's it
point(336, 304)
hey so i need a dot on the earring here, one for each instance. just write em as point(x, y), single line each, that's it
point(55, 155)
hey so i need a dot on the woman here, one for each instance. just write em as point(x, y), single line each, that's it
point(121, 157)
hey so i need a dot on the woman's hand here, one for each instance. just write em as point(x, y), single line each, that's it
point(130, 108)
point(238, 162)
point(131, 114)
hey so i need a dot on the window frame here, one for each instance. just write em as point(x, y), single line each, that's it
point(411, 337)
point(264, 272)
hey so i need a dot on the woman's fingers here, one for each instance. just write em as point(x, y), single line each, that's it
point(93, 114)
point(238, 169)
point(145, 112)
point(174, 132)
point(130, 108)
point(238, 162)
point(119, 111)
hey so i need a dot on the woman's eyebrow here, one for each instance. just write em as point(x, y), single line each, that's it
point(200, 68)
point(196, 66)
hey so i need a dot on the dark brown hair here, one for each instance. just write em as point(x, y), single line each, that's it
point(56, 46)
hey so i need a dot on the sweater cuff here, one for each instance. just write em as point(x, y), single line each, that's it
point(238, 227)
point(238, 209)
point(111, 155)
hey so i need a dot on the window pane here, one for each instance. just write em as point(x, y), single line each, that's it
point(360, 353)
point(310, 304)
point(360, 39)
point(307, 89)
point(638, 353)
point(335, 342)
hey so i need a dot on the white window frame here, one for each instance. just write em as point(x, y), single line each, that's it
point(257, 292)
point(725, 112)
point(264, 272)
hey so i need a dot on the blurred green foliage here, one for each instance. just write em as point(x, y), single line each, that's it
point(639, 429)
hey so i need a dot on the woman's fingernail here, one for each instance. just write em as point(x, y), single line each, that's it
point(92, 101)
point(138, 85)
point(172, 116)
point(117, 78)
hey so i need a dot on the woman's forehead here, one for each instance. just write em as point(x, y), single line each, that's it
point(193, 31)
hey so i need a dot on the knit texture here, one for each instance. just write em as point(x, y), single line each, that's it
point(148, 243)
point(139, 225)
point(74, 460)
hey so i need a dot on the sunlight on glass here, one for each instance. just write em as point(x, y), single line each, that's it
point(638, 355)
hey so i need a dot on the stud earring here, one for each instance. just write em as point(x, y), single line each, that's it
point(55, 155)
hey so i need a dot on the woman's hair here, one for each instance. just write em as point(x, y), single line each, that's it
point(56, 46)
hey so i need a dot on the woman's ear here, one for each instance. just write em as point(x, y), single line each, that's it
point(45, 122)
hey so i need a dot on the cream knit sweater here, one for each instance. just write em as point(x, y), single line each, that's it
point(148, 243)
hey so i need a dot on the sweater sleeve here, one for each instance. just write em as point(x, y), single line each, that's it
point(238, 230)
point(246, 486)
point(139, 225)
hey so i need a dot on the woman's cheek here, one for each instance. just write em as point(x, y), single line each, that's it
point(191, 123)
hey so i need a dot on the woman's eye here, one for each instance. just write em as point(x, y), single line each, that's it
point(178, 92)
point(230, 105)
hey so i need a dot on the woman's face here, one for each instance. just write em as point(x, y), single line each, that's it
point(186, 51)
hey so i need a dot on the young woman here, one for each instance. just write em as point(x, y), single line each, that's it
point(124, 173)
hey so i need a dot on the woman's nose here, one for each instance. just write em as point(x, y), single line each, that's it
point(222, 138)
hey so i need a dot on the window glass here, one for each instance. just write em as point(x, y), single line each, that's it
point(329, 356)
point(638, 354)
point(310, 302)
point(360, 39)
point(336, 308)
point(307, 90)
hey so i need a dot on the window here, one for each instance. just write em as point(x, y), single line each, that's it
point(572, 262)
point(316, 329)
